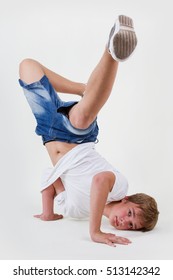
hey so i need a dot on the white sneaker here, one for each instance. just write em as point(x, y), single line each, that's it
point(122, 39)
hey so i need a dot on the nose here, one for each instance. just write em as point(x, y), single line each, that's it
point(124, 221)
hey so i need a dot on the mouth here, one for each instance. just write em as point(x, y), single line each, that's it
point(116, 221)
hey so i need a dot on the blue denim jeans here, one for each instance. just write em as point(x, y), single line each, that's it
point(51, 114)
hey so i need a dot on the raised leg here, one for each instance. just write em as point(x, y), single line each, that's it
point(31, 71)
point(97, 91)
point(121, 44)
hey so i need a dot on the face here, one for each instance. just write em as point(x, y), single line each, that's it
point(125, 216)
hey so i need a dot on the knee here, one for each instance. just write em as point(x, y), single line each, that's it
point(80, 121)
point(80, 118)
point(30, 70)
point(24, 65)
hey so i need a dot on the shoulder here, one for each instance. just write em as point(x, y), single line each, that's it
point(120, 188)
point(107, 177)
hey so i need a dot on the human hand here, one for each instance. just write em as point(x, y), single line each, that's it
point(109, 239)
point(50, 217)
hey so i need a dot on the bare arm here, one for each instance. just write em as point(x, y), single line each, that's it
point(48, 196)
point(101, 186)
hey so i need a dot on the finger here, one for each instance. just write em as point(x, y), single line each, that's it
point(37, 216)
point(119, 239)
point(122, 240)
point(58, 217)
point(110, 243)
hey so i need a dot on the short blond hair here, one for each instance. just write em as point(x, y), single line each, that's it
point(148, 205)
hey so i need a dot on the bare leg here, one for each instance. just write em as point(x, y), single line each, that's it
point(31, 71)
point(97, 91)
point(121, 44)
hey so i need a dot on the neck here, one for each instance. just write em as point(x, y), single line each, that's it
point(108, 208)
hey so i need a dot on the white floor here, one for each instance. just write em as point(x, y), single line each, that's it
point(24, 237)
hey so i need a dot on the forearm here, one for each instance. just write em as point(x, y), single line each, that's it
point(101, 186)
point(98, 200)
point(48, 201)
point(48, 205)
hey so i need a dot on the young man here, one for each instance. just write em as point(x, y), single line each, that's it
point(84, 183)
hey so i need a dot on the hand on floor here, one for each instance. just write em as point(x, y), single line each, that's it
point(51, 217)
point(109, 239)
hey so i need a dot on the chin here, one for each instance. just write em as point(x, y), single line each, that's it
point(117, 228)
point(113, 224)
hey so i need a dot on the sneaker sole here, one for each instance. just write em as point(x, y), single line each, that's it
point(123, 43)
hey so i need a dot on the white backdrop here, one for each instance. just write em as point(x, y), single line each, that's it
point(136, 125)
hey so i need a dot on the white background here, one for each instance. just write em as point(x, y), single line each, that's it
point(136, 125)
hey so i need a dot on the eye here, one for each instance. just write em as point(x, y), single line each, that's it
point(129, 213)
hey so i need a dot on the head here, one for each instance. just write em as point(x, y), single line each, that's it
point(148, 210)
point(135, 212)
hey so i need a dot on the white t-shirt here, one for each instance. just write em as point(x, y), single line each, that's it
point(76, 170)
